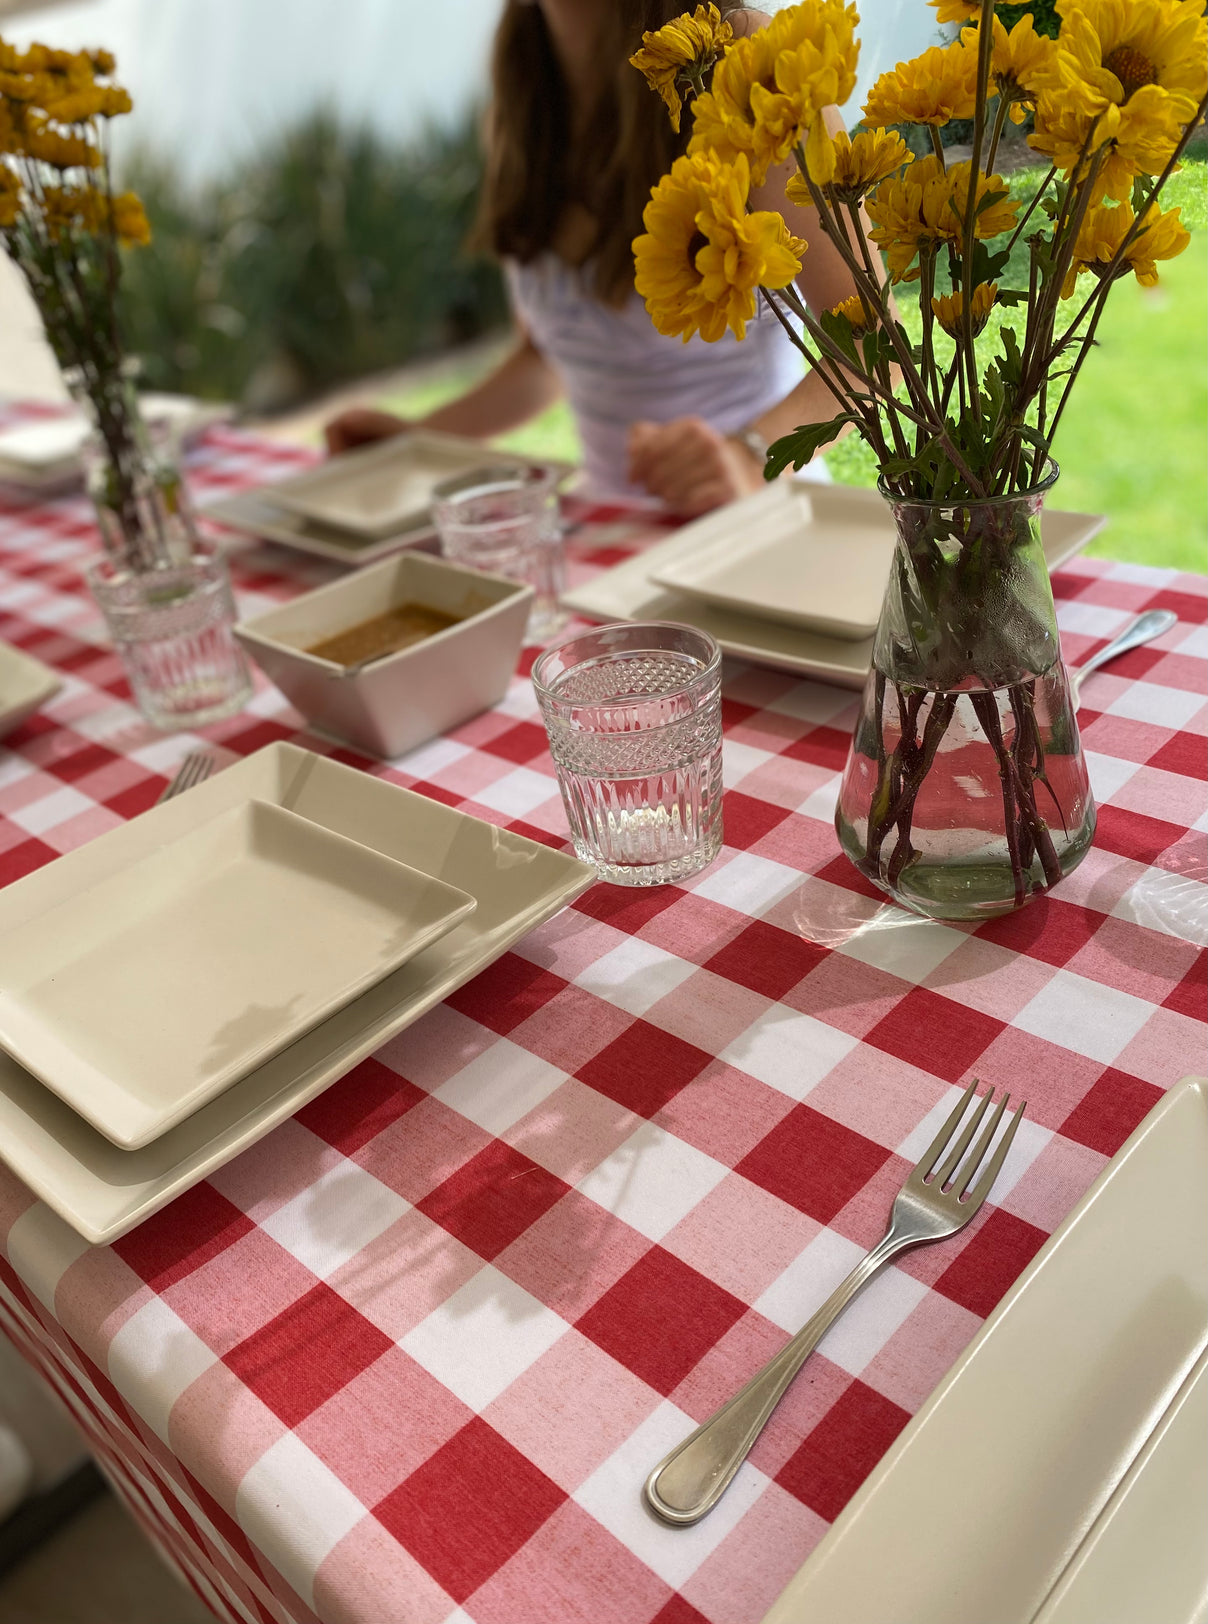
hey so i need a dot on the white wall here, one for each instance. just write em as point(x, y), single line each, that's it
point(210, 77)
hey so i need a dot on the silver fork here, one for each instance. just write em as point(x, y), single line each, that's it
point(693, 1477)
point(193, 770)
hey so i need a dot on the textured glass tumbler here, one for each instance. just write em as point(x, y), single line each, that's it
point(503, 519)
point(172, 628)
point(633, 714)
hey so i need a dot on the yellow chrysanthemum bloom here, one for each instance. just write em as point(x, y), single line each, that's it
point(771, 87)
point(130, 223)
point(816, 68)
point(1125, 79)
point(703, 256)
point(926, 206)
point(933, 88)
point(859, 319)
point(1021, 63)
point(94, 101)
point(684, 49)
point(947, 308)
point(10, 197)
point(60, 151)
point(724, 120)
point(956, 11)
point(859, 165)
point(1162, 236)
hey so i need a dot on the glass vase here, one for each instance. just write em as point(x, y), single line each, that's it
point(132, 476)
point(966, 791)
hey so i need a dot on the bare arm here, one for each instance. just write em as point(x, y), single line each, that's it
point(521, 386)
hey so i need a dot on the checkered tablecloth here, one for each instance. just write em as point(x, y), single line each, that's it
point(411, 1356)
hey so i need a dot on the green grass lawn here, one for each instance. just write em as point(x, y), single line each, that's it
point(1132, 441)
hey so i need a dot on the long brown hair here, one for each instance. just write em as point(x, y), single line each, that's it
point(536, 166)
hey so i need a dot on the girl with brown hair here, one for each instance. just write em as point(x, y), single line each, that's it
point(575, 141)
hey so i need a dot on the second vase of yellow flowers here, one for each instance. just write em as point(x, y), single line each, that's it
point(165, 597)
point(965, 792)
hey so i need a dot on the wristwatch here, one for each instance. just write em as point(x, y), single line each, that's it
point(754, 442)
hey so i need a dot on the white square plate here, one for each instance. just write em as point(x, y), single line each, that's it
point(1027, 1475)
point(25, 684)
point(629, 591)
point(818, 559)
point(103, 1191)
point(379, 490)
point(155, 984)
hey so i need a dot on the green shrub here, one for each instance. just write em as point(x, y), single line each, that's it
point(328, 255)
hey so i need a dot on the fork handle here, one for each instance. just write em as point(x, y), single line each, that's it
point(693, 1477)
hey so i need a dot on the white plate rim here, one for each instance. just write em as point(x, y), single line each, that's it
point(131, 1128)
point(259, 511)
point(250, 1122)
point(39, 684)
point(840, 661)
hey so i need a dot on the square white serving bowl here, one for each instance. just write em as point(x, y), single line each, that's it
point(398, 702)
point(149, 989)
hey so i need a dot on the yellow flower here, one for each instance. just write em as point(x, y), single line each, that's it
point(93, 101)
point(947, 307)
point(60, 151)
point(703, 256)
point(816, 68)
point(1162, 236)
point(129, 219)
point(724, 118)
point(933, 88)
point(1124, 81)
point(1020, 64)
point(859, 164)
point(956, 11)
point(684, 49)
point(859, 319)
point(770, 88)
point(10, 196)
point(1116, 47)
point(926, 206)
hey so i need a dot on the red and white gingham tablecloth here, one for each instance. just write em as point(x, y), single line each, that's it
point(411, 1356)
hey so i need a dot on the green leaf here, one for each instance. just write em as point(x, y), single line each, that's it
point(1011, 362)
point(986, 265)
point(838, 330)
point(1011, 296)
point(800, 446)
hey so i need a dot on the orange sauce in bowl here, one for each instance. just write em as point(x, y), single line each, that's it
point(383, 634)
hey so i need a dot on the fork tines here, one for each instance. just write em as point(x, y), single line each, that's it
point(193, 770)
point(947, 1174)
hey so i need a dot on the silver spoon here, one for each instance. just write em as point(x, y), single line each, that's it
point(1142, 630)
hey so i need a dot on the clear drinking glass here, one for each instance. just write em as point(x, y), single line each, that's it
point(633, 714)
point(172, 628)
point(503, 518)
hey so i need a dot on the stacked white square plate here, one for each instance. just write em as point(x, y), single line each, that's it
point(25, 686)
point(365, 504)
point(44, 456)
point(174, 989)
point(791, 577)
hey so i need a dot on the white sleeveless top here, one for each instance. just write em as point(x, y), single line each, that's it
point(616, 368)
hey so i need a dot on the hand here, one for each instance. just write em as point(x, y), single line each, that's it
point(689, 466)
point(361, 425)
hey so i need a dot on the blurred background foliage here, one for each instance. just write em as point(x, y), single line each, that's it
point(329, 255)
